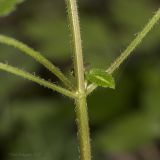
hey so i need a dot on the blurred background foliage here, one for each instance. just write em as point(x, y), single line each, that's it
point(36, 123)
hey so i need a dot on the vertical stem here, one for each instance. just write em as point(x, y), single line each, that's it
point(81, 104)
point(76, 39)
point(83, 128)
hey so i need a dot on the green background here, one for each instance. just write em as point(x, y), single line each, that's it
point(38, 124)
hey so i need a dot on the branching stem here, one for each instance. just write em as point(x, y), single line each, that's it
point(81, 103)
point(115, 65)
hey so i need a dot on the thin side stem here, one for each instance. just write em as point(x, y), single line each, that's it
point(81, 102)
point(37, 56)
point(115, 65)
point(38, 80)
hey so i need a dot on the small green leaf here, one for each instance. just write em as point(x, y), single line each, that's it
point(101, 78)
point(7, 6)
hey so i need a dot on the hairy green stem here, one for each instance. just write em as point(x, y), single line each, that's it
point(40, 81)
point(76, 39)
point(81, 104)
point(37, 56)
point(83, 128)
point(115, 65)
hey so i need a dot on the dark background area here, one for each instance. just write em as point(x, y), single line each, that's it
point(37, 124)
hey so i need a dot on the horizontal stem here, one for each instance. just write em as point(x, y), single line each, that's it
point(40, 81)
point(37, 56)
point(115, 65)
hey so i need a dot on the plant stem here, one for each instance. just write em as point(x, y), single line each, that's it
point(40, 81)
point(37, 56)
point(83, 128)
point(115, 65)
point(76, 38)
point(81, 102)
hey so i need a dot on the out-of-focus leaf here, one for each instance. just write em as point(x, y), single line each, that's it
point(101, 78)
point(40, 130)
point(7, 6)
point(150, 97)
point(97, 40)
point(128, 133)
point(132, 19)
point(51, 35)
